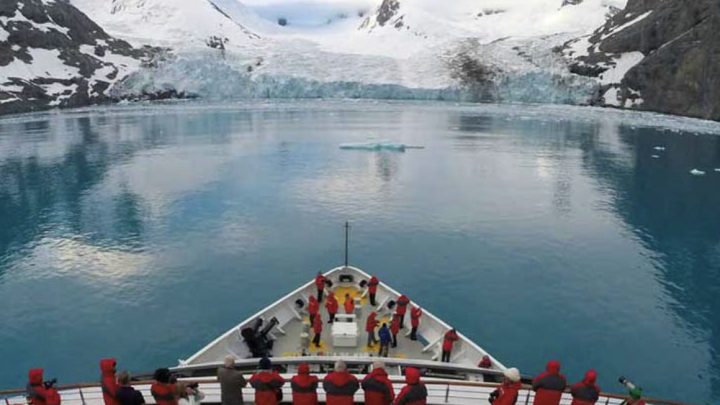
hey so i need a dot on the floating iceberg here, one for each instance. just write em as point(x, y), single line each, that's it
point(655, 156)
point(717, 170)
point(659, 148)
point(696, 172)
point(379, 146)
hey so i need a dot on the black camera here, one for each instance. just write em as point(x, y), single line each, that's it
point(50, 383)
point(193, 385)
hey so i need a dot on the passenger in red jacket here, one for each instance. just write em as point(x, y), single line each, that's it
point(370, 326)
point(372, 289)
point(320, 284)
point(317, 329)
point(549, 385)
point(402, 303)
point(415, 314)
point(340, 386)
point(313, 308)
point(267, 384)
point(164, 392)
point(377, 386)
point(507, 393)
point(450, 338)
point(304, 387)
point(36, 392)
point(586, 392)
point(331, 305)
point(395, 329)
point(349, 304)
point(485, 362)
point(108, 381)
point(414, 392)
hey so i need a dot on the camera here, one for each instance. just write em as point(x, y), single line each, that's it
point(193, 385)
point(633, 389)
point(50, 383)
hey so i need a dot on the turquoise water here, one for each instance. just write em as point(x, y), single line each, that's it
point(143, 232)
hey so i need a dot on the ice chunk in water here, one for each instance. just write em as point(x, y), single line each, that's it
point(659, 148)
point(718, 170)
point(696, 172)
point(379, 146)
point(655, 157)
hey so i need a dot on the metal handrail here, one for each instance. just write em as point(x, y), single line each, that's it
point(478, 384)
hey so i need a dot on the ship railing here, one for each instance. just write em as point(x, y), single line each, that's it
point(439, 392)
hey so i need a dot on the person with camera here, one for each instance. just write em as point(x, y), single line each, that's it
point(449, 340)
point(331, 304)
point(549, 385)
point(586, 392)
point(402, 304)
point(372, 289)
point(507, 393)
point(41, 392)
point(126, 394)
point(189, 394)
point(163, 389)
point(267, 384)
point(415, 314)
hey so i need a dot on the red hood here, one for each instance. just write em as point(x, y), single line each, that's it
point(412, 375)
point(590, 377)
point(303, 369)
point(35, 376)
point(107, 366)
point(378, 372)
point(553, 367)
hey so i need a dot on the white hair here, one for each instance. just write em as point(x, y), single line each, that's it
point(378, 364)
point(229, 361)
point(340, 366)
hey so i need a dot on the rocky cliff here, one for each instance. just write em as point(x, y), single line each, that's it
point(657, 55)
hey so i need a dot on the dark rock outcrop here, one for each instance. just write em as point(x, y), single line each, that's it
point(53, 55)
point(680, 70)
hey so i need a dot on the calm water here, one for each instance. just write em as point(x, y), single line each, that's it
point(144, 232)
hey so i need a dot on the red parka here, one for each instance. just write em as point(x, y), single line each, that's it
point(304, 387)
point(450, 337)
point(266, 384)
point(414, 393)
point(586, 392)
point(373, 285)
point(415, 314)
point(340, 388)
point(349, 305)
point(317, 324)
point(108, 382)
point(313, 305)
point(508, 393)
point(36, 391)
point(549, 385)
point(164, 394)
point(378, 388)
point(320, 282)
point(395, 325)
point(371, 322)
point(331, 304)
point(402, 304)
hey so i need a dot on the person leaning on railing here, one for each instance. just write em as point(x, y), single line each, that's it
point(163, 389)
point(126, 394)
point(508, 391)
point(231, 383)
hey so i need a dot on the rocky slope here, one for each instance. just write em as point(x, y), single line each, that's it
point(657, 55)
point(51, 54)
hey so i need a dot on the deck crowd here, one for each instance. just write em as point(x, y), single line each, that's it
point(339, 385)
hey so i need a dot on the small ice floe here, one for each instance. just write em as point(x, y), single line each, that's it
point(379, 146)
point(718, 170)
point(696, 172)
point(659, 148)
point(655, 156)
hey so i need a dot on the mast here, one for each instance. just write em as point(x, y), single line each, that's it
point(347, 238)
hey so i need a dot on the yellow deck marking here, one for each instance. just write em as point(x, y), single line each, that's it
point(354, 292)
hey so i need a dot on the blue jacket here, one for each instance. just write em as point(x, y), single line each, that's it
point(384, 334)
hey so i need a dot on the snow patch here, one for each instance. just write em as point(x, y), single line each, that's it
point(611, 97)
point(627, 24)
point(44, 27)
point(45, 63)
point(4, 35)
point(621, 65)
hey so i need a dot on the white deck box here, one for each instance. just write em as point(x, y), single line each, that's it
point(345, 331)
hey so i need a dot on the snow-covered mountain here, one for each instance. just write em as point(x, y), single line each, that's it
point(51, 54)
point(476, 50)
